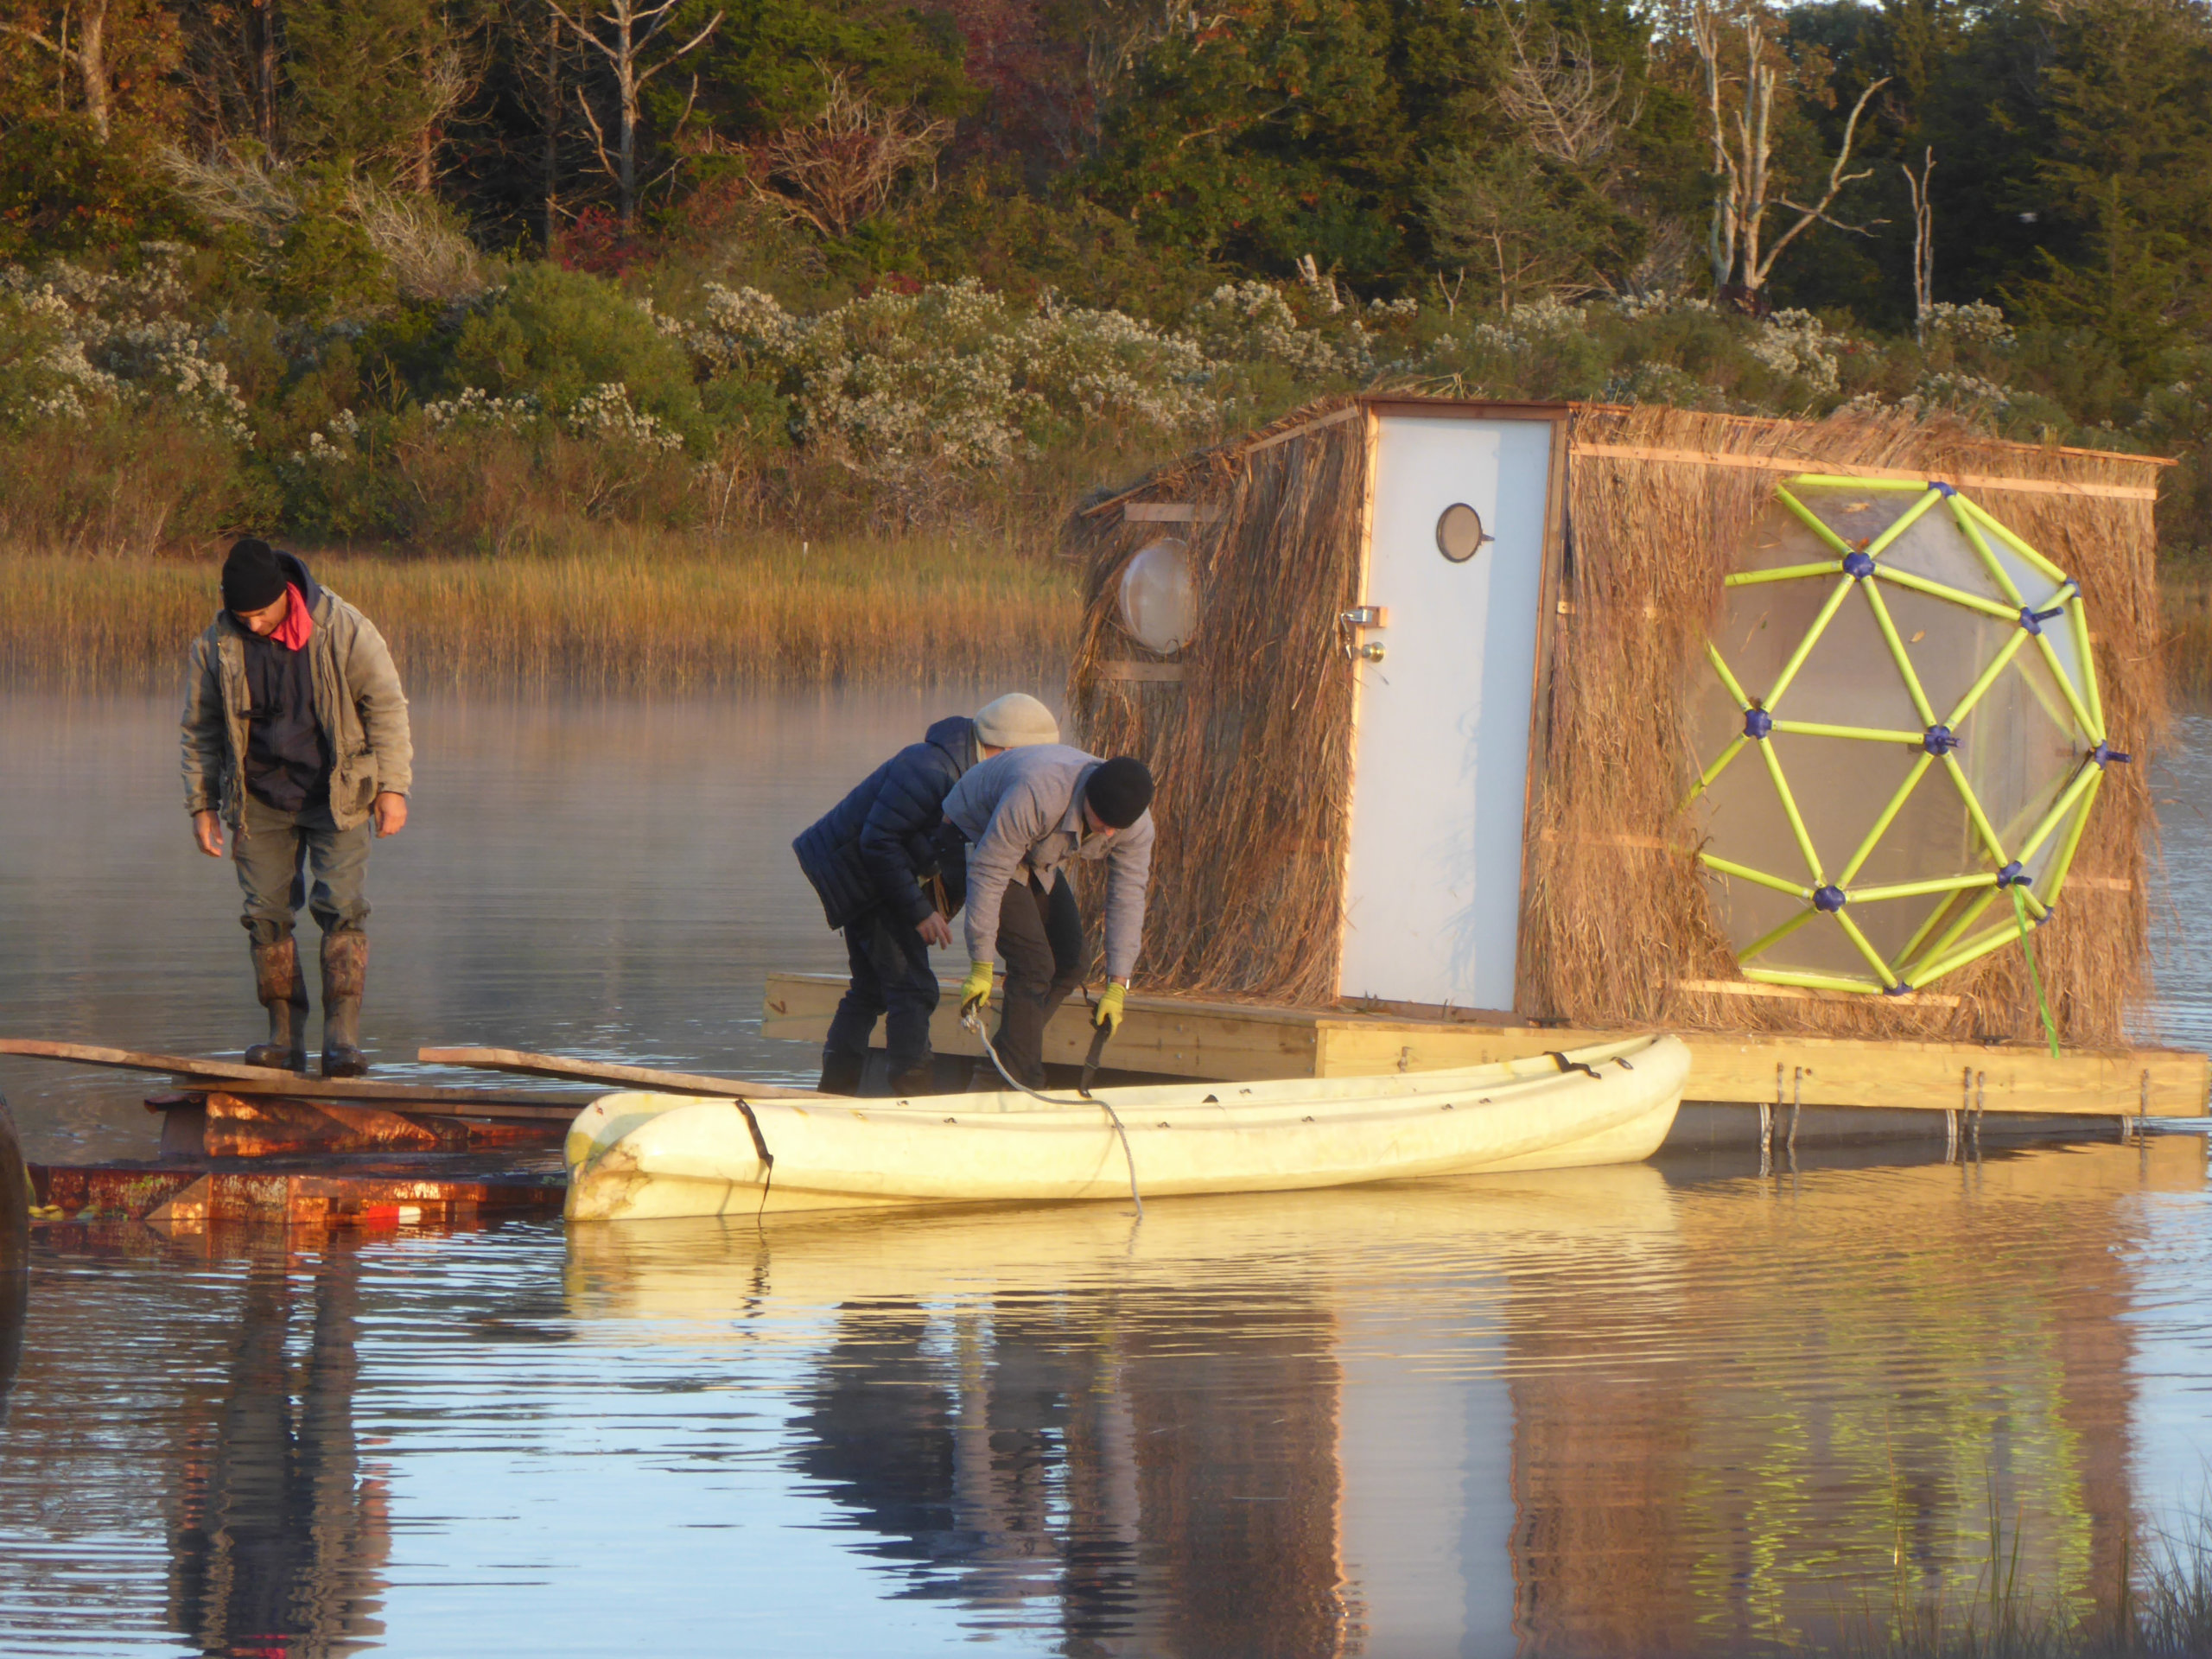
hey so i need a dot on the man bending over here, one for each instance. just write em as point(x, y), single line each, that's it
point(1024, 815)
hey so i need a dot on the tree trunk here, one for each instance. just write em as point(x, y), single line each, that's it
point(91, 63)
point(265, 75)
point(550, 160)
point(625, 75)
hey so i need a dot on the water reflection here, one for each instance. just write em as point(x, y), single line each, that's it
point(1584, 1414)
point(278, 1532)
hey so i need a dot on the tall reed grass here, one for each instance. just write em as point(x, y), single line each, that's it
point(634, 610)
point(2157, 1604)
point(2186, 599)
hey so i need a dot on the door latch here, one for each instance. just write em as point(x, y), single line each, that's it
point(1349, 624)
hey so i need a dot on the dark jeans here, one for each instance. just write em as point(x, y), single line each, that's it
point(1040, 942)
point(891, 976)
point(275, 854)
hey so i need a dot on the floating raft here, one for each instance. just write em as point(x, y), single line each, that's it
point(242, 1144)
point(1183, 1037)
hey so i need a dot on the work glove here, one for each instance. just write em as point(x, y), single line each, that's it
point(976, 993)
point(1108, 1014)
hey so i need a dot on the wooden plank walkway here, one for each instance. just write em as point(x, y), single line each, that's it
point(1188, 1038)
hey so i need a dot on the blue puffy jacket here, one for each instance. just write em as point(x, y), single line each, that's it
point(879, 844)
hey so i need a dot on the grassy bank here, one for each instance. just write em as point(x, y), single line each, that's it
point(634, 611)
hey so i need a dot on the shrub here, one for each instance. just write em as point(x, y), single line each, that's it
point(558, 336)
point(65, 190)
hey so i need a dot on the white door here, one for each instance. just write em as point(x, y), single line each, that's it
point(1440, 757)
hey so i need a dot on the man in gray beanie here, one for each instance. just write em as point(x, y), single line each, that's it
point(889, 881)
point(295, 735)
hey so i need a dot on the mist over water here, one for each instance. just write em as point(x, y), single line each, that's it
point(1668, 1408)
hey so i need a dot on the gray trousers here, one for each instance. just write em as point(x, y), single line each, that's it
point(1040, 941)
point(278, 851)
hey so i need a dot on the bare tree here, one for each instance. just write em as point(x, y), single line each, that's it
point(88, 54)
point(1739, 117)
point(1566, 107)
point(835, 169)
point(1923, 245)
point(623, 32)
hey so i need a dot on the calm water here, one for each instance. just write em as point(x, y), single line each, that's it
point(1620, 1412)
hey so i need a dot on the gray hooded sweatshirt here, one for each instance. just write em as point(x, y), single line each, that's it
point(1022, 813)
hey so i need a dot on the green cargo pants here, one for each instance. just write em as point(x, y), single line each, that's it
point(278, 851)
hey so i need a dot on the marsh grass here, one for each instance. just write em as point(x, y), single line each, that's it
point(629, 610)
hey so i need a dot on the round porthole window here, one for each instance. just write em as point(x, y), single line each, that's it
point(1460, 533)
point(1158, 606)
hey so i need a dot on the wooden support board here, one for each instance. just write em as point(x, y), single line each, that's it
point(639, 1077)
point(1167, 1035)
point(1183, 1037)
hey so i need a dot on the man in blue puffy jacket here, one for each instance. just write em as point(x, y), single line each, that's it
point(876, 863)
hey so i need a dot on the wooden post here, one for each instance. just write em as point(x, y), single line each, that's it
point(15, 1206)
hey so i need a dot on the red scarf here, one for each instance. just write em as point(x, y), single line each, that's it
point(298, 626)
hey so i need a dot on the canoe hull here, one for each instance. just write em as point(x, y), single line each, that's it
point(638, 1156)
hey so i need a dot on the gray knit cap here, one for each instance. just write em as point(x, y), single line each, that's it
point(1015, 721)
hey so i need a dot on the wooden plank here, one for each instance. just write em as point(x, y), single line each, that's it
point(1161, 673)
point(262, 1080)
point(1794, 464)
point(1800, 994)
point(1741, 1068)
point(1172, 513)
point(635, 1077)
point(1306, 429)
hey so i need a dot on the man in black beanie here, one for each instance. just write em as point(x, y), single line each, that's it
point(1024, 815)
point(295, 736)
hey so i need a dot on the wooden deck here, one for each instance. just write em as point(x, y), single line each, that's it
point(1182, 1036)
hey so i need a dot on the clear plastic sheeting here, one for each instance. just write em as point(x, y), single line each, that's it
point(1900, 737)
point(1158, 606)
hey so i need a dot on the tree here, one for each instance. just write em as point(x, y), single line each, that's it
point(2129, 179)
point(1501, 215)
point(1740, 108)
point(374, 80)
point(624, 34)
point(112, 49)
point(834, 170)
point(1266, 130)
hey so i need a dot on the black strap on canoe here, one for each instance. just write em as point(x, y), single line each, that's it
point(1566, 1064)
point(760, 1145)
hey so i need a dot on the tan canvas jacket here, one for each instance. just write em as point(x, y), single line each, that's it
point(358, 704)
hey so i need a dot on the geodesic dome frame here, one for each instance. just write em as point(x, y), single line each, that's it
point(2044, 754)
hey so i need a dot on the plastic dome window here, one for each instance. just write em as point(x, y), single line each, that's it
point(1902, 737)
point(1159, 607)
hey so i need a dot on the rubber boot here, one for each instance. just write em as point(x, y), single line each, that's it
point(282, 990)
point(344, 974)
point(919, 1079)
point(841, 1072)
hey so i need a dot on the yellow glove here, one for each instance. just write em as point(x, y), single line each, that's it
point(1109, 1011)
point(976, 993)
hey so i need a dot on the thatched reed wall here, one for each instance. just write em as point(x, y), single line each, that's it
point(1251, 748)
point(1250, 753)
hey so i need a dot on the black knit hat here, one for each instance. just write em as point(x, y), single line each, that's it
point(1119, 791)
point(253, 580)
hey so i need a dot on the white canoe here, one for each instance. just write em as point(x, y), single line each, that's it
point(637, 1155)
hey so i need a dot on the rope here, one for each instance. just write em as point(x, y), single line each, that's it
point(2049, 1026)
point(975, 1025)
